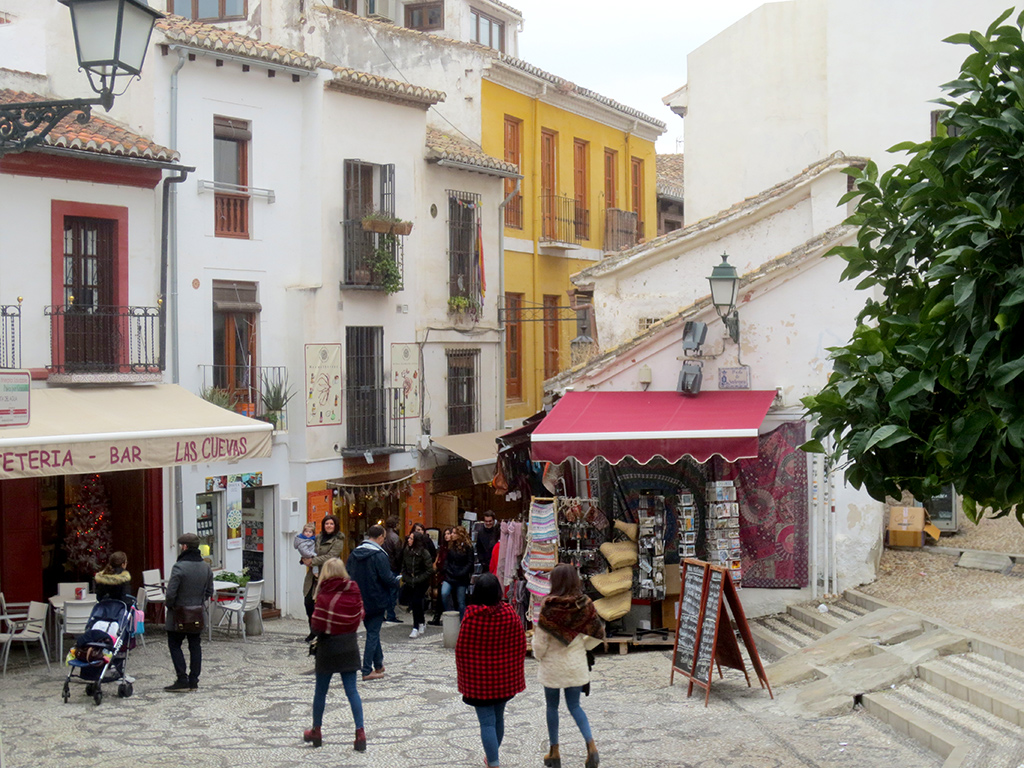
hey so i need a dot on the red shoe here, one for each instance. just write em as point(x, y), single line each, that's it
point(313, 735)
point(360, 743)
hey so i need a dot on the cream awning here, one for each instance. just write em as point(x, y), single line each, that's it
point(478, 448)
point(74, 430)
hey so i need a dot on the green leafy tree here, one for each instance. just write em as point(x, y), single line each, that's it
point(929, 390)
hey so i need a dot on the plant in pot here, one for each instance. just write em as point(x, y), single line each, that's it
point(384, 265)
point(463, 305)
point(218, 396)
point(275, 395)
point(385, 223)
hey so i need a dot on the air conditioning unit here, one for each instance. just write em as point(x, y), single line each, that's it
point(382, 9)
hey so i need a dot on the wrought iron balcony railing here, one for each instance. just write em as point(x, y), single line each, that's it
point(10, 336)
point(364, 253)
point(564, 220)
point(376, 418)
point(258, 391)
point(621, 229)
point(104, 339)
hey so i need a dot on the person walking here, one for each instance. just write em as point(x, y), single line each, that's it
point(393, 548)
point(328, 544)
point(190, 586)
point(337, 612)
point(487, 535)
point(458, 571)
point(114, 580)
point(368, 566)
point(568, 627)
point(490, 655)
point(417, 568)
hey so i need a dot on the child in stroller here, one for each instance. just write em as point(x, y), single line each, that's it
point(101, 652)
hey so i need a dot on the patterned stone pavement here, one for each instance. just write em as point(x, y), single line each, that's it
point(255, 699)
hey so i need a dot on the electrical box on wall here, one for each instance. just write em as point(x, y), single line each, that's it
point(291, 521)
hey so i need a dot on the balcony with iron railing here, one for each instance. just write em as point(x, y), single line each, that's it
point(104, 343)
point(373, 260)
point(563, 221)
point(621, 230)
point(376, 420)
point(10, 336)
point(258, 391)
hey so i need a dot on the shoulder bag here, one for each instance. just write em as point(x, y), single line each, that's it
point(188, 619)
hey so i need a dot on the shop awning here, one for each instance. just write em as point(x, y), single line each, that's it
point(105, 429)
point(477, 448)
point(644, 425)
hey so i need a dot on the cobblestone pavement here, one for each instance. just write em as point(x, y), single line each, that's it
point(255, 699)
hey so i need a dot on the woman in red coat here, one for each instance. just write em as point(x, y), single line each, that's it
point(489, 657)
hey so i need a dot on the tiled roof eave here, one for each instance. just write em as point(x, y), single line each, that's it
point(423, 100)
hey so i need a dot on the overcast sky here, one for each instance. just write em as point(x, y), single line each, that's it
point(633, 51)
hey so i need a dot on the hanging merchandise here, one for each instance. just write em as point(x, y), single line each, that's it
point(651, 548)
point(723, 527)
point(582, 528)
point(541, 553)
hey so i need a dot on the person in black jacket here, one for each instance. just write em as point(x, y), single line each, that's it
point(114, 581)
point(393, 548)
point(417, 568)
point(191, 584)
point(458, 570)
point(369, 567)
point(487, 535)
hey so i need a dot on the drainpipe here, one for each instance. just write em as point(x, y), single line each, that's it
point(171, 243)
point(501, 301)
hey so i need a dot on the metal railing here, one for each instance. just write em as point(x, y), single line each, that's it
point(102, 339)
point(10, 336)
point(248, 389)
point(620, 229)
point(563, 221)
point(375, 418)
point(362, 249)
point(231, 214)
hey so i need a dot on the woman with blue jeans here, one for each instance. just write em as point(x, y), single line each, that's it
point(567, 629)
point(458, 570)
point(337, 611)
point(489, 658)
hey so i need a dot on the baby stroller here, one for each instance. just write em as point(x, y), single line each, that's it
point(101, 652)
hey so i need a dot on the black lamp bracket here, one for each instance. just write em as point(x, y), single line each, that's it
point(25, 125)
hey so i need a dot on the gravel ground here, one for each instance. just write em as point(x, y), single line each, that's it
point(1002, 535)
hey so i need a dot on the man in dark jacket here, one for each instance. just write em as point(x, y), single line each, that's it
point(191, 584)
point(369, 567)
point(392, 547)
point(487, 535)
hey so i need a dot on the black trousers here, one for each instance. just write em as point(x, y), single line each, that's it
point(195, 655)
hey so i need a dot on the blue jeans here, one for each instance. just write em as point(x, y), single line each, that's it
point(492, 729)
point(389, 613)
point(373, 655)
point(572, 701)
point(460, 597)
point(323, 683)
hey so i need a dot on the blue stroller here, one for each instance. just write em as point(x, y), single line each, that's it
point(101, 652)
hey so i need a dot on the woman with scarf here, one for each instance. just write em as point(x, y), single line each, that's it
point(489, 658)
point(337, 611)
point(328, 544)
point(568, 628)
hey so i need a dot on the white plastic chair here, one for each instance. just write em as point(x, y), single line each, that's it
point(14, 612)
point(74, 617)
point(32, 630)
point(153, 583)
point(236, 609)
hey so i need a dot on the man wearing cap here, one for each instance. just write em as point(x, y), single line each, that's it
point(191, 584)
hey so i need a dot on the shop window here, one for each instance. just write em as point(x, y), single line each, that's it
point(514, 155)
point(231, 139)
point(235, 320)
point(552, 344)
point(486, 30)
point(425, 16)
point(513, 347)
point(464, 248)
point(463, 391)
point(210, 10)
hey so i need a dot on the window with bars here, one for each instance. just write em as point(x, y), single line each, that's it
point(91, 325)
point(369, 189)
point(463, 391)
point(464, 246)
point(364, 386)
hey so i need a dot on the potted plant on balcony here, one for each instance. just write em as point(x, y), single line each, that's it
point(384, 265)
point(218, 396)
point(386, 224)
point(463, 309)
point(275, 395)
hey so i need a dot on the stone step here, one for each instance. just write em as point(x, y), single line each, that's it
point(979, 680)
point(782, 634)
point(810, 615)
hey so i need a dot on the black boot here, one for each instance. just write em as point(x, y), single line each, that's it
point(179, 685)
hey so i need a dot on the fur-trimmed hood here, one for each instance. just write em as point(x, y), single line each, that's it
point(113, 579)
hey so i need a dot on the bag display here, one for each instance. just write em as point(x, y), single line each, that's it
point(188, 619)
point(613, 582)
point(620, 554)
point(615, 607)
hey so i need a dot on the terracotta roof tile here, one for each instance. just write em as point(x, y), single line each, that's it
point(346, 79)
point(446, 146)
point(98, 135)
point(508, 7)
point(211, 38)
point(670, 175)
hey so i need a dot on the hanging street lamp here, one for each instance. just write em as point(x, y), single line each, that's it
point(725, 284)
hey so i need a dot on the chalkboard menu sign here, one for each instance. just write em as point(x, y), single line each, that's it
point(708, 627)
point(689, 611)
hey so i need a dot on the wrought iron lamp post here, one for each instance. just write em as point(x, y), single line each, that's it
point(725, 284)
point(111, 38)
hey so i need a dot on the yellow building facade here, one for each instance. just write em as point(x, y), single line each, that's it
point(588, 189)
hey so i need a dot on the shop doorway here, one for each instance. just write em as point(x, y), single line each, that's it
point(258, 538)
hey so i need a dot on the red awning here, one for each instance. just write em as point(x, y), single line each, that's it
point(642, 425)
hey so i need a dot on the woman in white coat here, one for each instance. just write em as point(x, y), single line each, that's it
point(568, 628)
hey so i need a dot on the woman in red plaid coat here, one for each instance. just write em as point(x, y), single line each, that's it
point(489, 656)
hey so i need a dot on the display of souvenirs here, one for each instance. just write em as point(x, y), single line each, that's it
point(723, 529)
point(650, 572)
point(582, 528)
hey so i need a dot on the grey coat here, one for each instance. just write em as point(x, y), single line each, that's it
point(191, 583)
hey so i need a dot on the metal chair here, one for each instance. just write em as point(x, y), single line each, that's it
point(73, 619)
point(236, 609)
point(153, 583)
point(31, 630)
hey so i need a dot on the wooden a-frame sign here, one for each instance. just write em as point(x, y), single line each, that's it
point(699, 645)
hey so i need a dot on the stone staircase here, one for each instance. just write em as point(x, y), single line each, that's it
point(954, 692)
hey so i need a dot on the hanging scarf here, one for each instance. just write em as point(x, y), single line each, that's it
point(565, 616)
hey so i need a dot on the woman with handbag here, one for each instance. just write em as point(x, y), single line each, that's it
point(567, 629)
point(337, 612)
point(190, 586)
point(417, 567)
point(329, 543)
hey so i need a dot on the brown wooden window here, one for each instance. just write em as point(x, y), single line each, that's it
point(513, 346)
point(231, 176)
point(611, 192)
point(552, 346)
point(425, 16)
point(513, 154)
point(487, 30)
point(235, 320)
point(637, 186)
point(210, 10)
point(549, 180)
point(91, 337)
point(581, 182)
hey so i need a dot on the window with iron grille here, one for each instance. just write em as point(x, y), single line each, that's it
point(645, 323)
point(91, 333)
point(464, 245)
point(369, 189)
point(463, 391)
point(364, 386)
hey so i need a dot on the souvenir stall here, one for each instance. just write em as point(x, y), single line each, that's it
point(360, 502)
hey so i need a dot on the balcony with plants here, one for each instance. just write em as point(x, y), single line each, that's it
point(260, 392)
point(374, 252)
